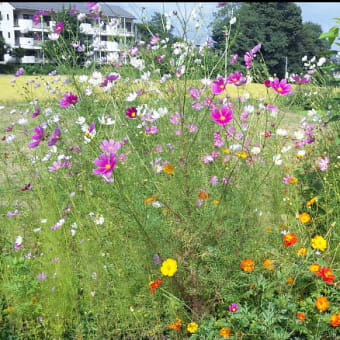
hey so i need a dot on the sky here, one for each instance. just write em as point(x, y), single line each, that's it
point(321, 13)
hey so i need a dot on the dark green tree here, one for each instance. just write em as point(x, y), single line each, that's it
point(276, 25)
point(156, 26)
point(311, 42)
point(18, 53)
point(3, 47)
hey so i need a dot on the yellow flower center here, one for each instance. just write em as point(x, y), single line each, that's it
point(222, 118)
point(279, 89)
point(107, 166)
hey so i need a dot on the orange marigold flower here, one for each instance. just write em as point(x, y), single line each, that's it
point(247, 265)
point(154, 285)
point(326, 274)
point(225, 332)
point(304, 218)
point(168, 169)
point(321, 303)
point(292, 180)
point(289, 239)
point(301, 316)
point(269, 264)
point(302, 252)
point(314, 267)
point(176, 325)
point(334, 320)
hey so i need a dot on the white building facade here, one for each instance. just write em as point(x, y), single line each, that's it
point(115, 27)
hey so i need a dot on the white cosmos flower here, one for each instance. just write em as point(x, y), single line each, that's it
point(281, 132)
point(53, 36)
point(83, 78)
point(255, 150)
point(286, 148)
point(299, 134)
point(10, 138)
point(277, 159)
point(80, 120)
point(131, 97)
point(232, 21)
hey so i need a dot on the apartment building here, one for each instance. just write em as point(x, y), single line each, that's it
point(18, 29)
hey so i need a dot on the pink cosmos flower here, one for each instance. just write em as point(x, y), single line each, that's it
point(58, 165)
point(301, 80)
point(236, 78)
point(13, 214)
point(37, 137)
point(256, 48)
point(218, 140)
point(55, 136)
point(222, 117)
point(218, 85)
point(110, 146)
point(195, 93)
point(105, 164)
point(151, 130)
point(213, 180)
point(19, 72)
point(191, 128)
point(323, 163)
point(58, 28)
point(248, 58)
point(280, 86)
point(131, 112)
point(233, 59)
point(41, 276)
point(154, 40)
point(36, 112)
point(69, 99)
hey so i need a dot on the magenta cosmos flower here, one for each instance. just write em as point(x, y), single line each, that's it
point(69, 99)
point(233, 308)
point(280, 86)
point(223, 116)
point(37, 137)
point(55, 136)
point(218, 85)
point(110, 146)
point(236, 78)
point(105, 164)
point(131, 112)
point(58, 28)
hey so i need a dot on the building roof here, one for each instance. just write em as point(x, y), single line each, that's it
point(108, 10)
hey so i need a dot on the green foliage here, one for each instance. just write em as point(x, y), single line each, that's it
point(18, 53)
point(278, 26)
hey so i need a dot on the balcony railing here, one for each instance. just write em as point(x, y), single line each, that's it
point(29, 25)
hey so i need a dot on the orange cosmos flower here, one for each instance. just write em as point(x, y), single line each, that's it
point(304, 218)
point(225, 332)
point(334, 320)
point(301, 317)
point(149, 200)
point(321, 303)
point(247, 265)
point(168, 169)
point(269, 264)
point(154, 285)
point(176, 325)
point(289, 239)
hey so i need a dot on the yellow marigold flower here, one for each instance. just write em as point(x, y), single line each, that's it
point(318, 242)
point(169, 267)
point(241, 154)
point(247, 265)
point(225, 332)
point(311, 201)
point(192, 327)
point(9, 309)
point(268, 264)
point(226, 151)
point(269, 229)
point(290, 280)
point(314, 267)
point(215, 202)
point(302, 252)
point(304, 218)
point(292, 180)
point(168, 169)
point(322, 303)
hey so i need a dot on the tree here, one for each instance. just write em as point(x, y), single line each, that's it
point(311, 43)
point(3, 47)
point(276, 25)
point(156, 26)
point(18, 53)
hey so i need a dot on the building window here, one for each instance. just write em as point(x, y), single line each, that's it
point(7, 16)
point(27, 16)
point(9, 34)
point(128, 26)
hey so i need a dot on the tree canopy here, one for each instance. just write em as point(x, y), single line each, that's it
point(276, 25)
